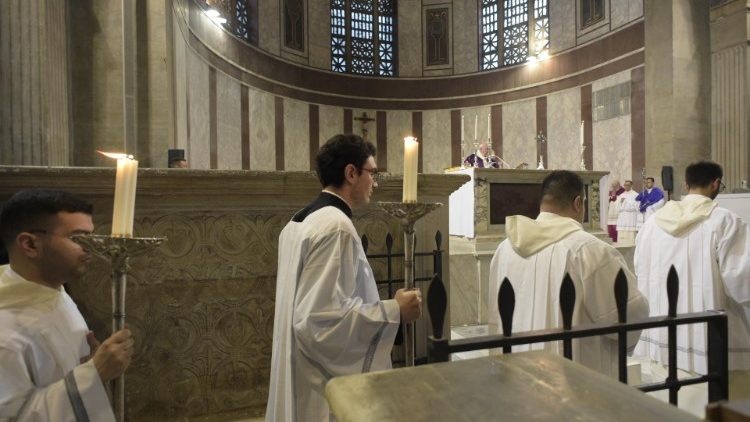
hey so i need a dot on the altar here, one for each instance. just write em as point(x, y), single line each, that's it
point(477, 226)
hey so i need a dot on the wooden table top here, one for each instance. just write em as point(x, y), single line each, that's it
point(537, 386)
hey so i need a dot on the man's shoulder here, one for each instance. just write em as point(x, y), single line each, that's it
point(327, 221)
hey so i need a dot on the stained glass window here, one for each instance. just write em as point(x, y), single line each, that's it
point(237, 18)
point(514, 32)
point(363, 37)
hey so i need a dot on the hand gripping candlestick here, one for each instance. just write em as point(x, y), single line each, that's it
point(408, 213)
point(118, 250)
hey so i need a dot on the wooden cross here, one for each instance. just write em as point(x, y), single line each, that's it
point(365, 119)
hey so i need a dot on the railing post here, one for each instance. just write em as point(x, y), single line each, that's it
point(717, 352)
point(621, 300)
point(437, 303)
point(506, 304)
point(567, 304)
point(673, 290)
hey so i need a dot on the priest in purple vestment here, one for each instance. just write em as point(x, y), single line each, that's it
point(651, 199)
point(483, 158)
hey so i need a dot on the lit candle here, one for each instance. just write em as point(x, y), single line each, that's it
point(124, 206)
point(411, 157)
point(476, 123)
point(462, 128)
point(489, 130)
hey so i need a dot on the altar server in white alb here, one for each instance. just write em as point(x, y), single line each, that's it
point(536, 256)
point(710, 249)
point(628, 213)
point(329, 318)
point(51, 366)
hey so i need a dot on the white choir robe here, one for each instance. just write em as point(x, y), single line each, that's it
point(42, 342)
point(710, 249)
point(628, 208)
point(535, 258)
point(329, 319)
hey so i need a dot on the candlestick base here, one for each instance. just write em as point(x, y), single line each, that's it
point(408, 213)
point(118, 250)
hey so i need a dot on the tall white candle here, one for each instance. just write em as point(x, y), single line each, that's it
point(411, 160)
point(124, 205)
point(489, 130)
point(476, 123)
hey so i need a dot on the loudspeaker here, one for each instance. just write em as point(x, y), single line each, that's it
point(666, 178)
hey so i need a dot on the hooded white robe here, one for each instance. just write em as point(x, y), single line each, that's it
point(329, 319)
point(710, 249)
point(535, 257)
point(42, 342)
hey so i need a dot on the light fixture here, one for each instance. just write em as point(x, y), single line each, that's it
point(215, 16)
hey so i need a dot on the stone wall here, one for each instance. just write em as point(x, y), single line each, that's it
point(201, 306)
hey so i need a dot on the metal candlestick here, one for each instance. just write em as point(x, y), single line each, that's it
point(408, 213)
point(118, 250)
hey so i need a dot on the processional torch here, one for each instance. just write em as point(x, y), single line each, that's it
point(408, 212)
point(117, 248)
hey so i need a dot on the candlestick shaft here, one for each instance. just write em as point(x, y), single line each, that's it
point(119, 283)
point(409, 284)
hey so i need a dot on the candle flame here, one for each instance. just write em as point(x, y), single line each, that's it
point(410, 138)
point(116, 155)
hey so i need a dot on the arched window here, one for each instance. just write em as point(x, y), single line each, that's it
point(513, 33)
point(363, 37)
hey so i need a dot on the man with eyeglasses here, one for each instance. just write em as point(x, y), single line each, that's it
point(709, 247)
point(329, 319)
point(536, 256)
point(51, 366)
point(650, 200)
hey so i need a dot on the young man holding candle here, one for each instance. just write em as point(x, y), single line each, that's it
point(51, 366)
point(329, 318)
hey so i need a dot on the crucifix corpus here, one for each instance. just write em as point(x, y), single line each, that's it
point(365, 119)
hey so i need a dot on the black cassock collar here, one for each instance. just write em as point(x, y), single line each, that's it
point(325, 199)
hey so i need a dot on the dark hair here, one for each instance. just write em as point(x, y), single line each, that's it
point(561, 187)
point(650, 178)
point(28, 209)
point(702, 173)
point(337, 153)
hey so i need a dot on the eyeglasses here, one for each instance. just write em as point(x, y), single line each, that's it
point(373, 173)
point(722, 186)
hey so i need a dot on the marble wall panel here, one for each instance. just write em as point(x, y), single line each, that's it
point(562, 27)
point(269, 24)
point(612, 147)
point(199, 147)
point(465, 36)
point(228, 122)
point(399, 126)
point(410, 40)
point(610, 80)
point(296, 135)
point(319, 36)
point(180, 89)
point(519, 129)
point(331, 122)
point(262, 131)
point(564, 130)
point(624, 12)
point(436, 140)
point(612, 137)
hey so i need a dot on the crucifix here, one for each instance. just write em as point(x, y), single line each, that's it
point(365, 119)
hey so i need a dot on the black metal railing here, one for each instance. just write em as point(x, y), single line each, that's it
point(440, 349)
point(389, 256)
